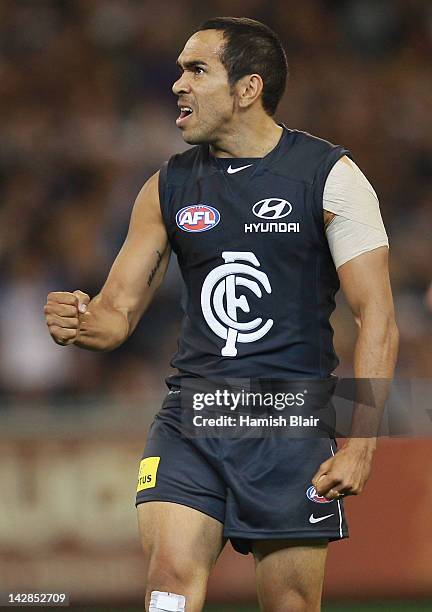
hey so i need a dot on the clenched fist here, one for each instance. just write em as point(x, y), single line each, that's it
point(62, 314)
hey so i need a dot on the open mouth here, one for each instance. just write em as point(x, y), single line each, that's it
point(185, 112)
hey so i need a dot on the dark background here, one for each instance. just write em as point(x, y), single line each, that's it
point(87, 115)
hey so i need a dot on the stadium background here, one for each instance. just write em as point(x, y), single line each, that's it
point(87, 115)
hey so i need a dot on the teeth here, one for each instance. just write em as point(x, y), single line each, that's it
point(186, 109)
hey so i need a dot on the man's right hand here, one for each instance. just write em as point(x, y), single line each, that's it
point(110, 317)
point(62, 315)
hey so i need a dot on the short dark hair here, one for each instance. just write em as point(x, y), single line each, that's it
point(252, 47)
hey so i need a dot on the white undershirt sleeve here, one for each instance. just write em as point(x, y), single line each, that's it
point(357, 226)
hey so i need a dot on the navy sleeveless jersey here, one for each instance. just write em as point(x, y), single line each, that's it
point(258, 273)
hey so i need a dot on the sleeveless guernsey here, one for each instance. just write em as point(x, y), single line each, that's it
point(259, 279)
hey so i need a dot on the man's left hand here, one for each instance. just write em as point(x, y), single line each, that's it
point(347, 472)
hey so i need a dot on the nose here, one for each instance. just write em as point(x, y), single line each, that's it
point(181, 85)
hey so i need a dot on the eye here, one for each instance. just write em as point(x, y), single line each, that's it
point(198, 70)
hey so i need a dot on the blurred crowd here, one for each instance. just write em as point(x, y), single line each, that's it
point(87, 115)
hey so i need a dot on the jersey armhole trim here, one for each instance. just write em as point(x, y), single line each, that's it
point(162, 185)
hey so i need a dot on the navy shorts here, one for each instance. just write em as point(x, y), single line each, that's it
point(258, 488)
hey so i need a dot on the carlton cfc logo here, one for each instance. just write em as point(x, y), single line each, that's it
point(318, 499)
point(197, 218)
point(223, 295)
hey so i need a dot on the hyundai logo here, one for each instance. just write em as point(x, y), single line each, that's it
point(272, 208)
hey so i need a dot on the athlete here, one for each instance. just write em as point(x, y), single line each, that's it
point(266, 223)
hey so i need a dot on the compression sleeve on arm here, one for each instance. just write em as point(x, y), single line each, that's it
point(357, 226)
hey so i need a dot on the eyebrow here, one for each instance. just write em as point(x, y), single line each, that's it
point(191, 64)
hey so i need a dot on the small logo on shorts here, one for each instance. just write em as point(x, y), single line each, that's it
point(317, 519)
point(318, 499)
point(147, 473)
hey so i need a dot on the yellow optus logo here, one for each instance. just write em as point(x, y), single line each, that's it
point(147, 473)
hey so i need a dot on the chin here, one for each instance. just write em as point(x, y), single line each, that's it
point(196, 135)
point(194, 138)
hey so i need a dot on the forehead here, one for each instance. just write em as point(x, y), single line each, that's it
point(203, 46)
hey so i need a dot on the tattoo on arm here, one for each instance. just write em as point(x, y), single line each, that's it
point(155, 269)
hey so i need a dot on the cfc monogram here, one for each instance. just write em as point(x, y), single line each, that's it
point(219, 301)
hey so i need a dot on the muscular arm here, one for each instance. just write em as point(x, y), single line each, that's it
point(366, 285)
point(136, 273)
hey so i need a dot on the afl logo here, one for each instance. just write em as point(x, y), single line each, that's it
point(318, 499)
point(272, 208)
point(197, 218)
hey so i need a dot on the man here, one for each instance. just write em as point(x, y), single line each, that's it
point(260, 217)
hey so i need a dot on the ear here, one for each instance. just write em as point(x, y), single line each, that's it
point(248, 89)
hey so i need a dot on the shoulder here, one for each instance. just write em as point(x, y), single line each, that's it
point(147, 202)
point(150, 187)
point(347, 188)
point(308, 158)
point(317, 151)
point(313, 147)
point(304, 140)
point(187, 157)
point(180, 165)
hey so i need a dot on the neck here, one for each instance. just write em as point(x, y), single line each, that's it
point(248, 139)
